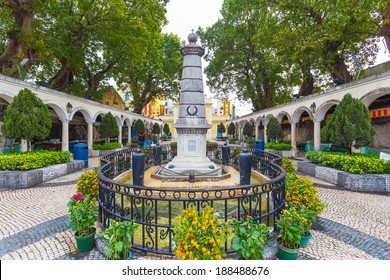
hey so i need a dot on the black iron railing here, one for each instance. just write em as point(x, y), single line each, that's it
point(156, 210)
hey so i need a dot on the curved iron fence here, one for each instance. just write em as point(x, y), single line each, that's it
point(156, 210)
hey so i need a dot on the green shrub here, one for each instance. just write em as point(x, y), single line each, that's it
point(288, 166)
point(210, 144)
point(278, 146)
point(106, 146)
point(250, 140)
point(355, 163)
point(32, 160)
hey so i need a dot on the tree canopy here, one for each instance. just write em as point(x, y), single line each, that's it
point(26, 118)
point(231, 129)
point(259, 50)
point(80, 46)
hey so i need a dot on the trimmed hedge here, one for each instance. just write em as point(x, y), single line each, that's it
point(355, 163)
point(106, 146)
point(278, 146)
point(32, 160)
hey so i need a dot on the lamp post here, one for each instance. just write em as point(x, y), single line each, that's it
point(69, 108)
point(313, 107)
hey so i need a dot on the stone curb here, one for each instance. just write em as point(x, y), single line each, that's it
point(31, 178)
point(377, 183)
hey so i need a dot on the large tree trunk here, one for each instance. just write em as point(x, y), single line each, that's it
point(339, 70)
point(16, 49)
point(307, 85)
point(95, 80)
point(64, 77)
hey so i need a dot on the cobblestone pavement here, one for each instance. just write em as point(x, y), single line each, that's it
point(34, 224)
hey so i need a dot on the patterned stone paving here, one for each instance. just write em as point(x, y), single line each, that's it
point(34, 224)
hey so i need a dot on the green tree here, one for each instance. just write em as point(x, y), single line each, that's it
point(248, 129)
point(350, 124)
point(231, 129)
point(156, 129)
point(109, 127)
point(274, 129)
point(166, 128)
point(221, 128)
point(157, 75)
point(26, 118)
point(139, 126)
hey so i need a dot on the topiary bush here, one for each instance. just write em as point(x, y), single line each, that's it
point(278, 146)
point(106, 146)
point(32, 160)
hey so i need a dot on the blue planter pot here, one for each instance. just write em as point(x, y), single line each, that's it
point(305, 240)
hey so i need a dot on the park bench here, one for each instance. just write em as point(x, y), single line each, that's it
point(336, 148)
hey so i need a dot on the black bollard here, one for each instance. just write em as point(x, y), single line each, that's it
point(157, 154)
point(225, 154)
point(138, 165)
point(245, 167)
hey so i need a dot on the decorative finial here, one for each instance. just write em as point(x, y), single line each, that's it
point(192, 38)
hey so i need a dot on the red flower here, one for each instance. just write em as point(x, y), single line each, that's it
point(247, 215)
point(234, 216)
point(78, 196)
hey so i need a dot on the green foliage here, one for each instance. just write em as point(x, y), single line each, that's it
point(248, 129)
point(106, 146)
point(249, 238)
point(166, 128)
point(231, 129)
point(156, 128)
point(108, 127)
point(349, 125)
point(139, 126)
point(210, 144)
point(221, 128)
point(277, 146)
point(32, 160)
point(199, 236)
point(88, 183)
point(157, 74)
point(291, 227)
point(119, 236)
point(83, 213)
point(250, 140)
point(274, 129)
point(355, 163)
point(26, 117)
point(174, 144)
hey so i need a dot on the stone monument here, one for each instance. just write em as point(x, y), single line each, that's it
point(191, 125)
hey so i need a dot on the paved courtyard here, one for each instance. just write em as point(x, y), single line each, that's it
point(34, 224)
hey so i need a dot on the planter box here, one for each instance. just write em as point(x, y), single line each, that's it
point(377, 183)
point(31, 178)
point(281, 153)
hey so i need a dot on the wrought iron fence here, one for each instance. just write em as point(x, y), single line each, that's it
point(156, 210)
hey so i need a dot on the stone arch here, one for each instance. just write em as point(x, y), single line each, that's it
point(298, 112)
point(99, 113)
point(7, 96)
point(323, 109)
point(266, 119)
point(84, 112)
point(58, 108)
point(372, 95)
point(281, 115)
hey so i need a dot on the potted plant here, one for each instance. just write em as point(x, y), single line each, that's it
point(83, 214)
point(311, 217)
point(291, 226)
point(249, 238)
point(119, 237)
point(199, 236)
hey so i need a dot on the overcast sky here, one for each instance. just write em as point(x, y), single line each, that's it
point(185, 15)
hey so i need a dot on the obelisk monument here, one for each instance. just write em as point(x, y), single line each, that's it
point(191, 125)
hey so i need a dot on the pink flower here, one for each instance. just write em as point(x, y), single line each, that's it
point(78, 196)
point(247, 215)
point(234, 216)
